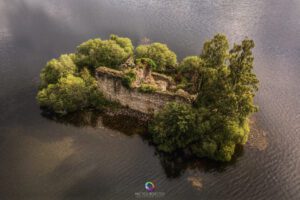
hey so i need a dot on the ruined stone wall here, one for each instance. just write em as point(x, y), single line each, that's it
point(110, 84)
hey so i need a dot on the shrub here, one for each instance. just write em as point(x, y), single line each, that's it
point(148, 62)
point(147, 88)
point(215, 51)
point(129, 78)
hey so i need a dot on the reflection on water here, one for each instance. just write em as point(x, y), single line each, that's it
point(89, 158)
point(79, 119)
point(174, 164)
point(128, 125)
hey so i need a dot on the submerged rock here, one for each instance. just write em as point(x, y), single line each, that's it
point(195, 181)
point(257, 137)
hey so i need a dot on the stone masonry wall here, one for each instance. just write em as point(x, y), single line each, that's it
point(110, 84)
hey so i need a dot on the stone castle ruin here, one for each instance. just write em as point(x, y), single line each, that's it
point(110, 83)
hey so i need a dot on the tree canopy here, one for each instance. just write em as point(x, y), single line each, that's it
point(189, 71)
point(215, 51)
point(71, 93)
point(57, 68)
point(225, 85)
point(110, 53)
point(174, 127)
point(163, 57)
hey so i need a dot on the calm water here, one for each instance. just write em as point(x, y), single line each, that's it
point(45, 159)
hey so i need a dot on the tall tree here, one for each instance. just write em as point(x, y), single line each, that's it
point(215, 51)
point(243, 80)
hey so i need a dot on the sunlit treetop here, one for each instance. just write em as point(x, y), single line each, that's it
point(111, 53)
point(57, 68)
point(215, 51)
point(163, 57)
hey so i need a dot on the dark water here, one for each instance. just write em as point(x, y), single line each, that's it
point(46, 159)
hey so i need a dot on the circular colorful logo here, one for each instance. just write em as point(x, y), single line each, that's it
point(149, 186)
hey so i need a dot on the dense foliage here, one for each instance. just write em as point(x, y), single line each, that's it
point(71, 93)
point(146, 62)
point(128, 78)
point(163, 57)
point(174, 127)
point(188, 72)
point(222, 80)
point(57, 68)
point(225, 86)
point(110, 53)
point(66, 82)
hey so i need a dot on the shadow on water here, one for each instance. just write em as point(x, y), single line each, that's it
point(177, 163)
point(174, 164)
point(125, 124)
point(78, 119)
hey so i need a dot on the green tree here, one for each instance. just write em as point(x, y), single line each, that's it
point(95, 98)
point(110, 53)
point(173, 127)
point(57, 68)
point(125, 43)
point(71, 94)
point(215, 51)
point(225, 84)
point(189, 72)
point(226, 90)
point(229, 88)
point(68, 95)
point(219, 136)
point(163, 57)
point(243, 80)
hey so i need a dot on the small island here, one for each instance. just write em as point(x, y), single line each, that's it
point(200, 105)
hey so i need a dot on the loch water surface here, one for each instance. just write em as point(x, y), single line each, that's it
point(88, 158)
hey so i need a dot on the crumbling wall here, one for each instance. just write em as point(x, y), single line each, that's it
point(110, 84)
